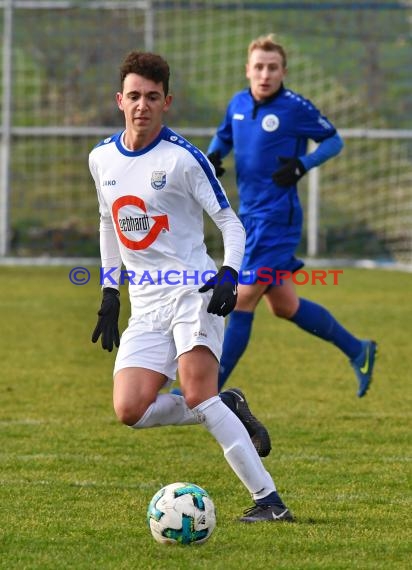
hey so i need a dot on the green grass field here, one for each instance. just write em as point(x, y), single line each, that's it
point(75, 484)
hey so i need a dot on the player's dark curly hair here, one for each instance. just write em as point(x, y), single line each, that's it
point(148, 65)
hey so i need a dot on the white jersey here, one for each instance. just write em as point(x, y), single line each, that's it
point(151, 205)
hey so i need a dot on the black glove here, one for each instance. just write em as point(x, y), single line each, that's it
point(224, 285)
point(216, 160)
point(107, 324)
point(290, 173)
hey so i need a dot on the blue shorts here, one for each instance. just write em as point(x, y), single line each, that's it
point(269, 245)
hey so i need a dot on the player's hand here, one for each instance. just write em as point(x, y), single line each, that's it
point(216, 160)
point(107, 323)
point(224, 285)
point(290, 173)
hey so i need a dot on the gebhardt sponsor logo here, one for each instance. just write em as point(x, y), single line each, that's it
point(138, 224)
point(130, 215)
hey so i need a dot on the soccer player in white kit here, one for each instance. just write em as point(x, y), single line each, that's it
point(152, 188)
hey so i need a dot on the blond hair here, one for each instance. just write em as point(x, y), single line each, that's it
point(267, 43)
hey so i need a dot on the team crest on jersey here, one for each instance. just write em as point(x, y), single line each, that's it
point(158, 179)
point(270, 123)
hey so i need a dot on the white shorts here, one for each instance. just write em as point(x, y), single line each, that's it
point(155, 340)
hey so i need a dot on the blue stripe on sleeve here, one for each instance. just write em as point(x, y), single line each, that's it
point(178, 140)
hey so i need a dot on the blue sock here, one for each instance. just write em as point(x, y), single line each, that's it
point(237, 336)
point(316, 320)
point(271, 499)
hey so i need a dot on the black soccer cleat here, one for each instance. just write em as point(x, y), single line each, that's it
point(257, 431)
point(267, 513)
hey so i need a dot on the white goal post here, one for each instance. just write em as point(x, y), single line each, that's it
point(314, 181)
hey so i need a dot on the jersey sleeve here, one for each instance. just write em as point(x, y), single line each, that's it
point(233, 234)
point(310, 123)
point(111, 261)
point(94, 171)
point(205, 187)
point(222, 142)
point(327, 149)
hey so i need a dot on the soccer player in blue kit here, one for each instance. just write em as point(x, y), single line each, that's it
point(268, 127)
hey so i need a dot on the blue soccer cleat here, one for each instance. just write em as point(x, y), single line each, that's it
point(363, 365)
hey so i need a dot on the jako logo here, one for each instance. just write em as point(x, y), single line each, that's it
point(109, 182)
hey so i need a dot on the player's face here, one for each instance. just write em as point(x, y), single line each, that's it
point(265, 72)
point(143, 103)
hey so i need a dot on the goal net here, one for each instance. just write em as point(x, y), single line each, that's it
point(60, 75)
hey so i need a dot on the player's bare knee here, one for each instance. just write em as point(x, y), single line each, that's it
point(193, 400)
point(127, 413)
point(283, 312)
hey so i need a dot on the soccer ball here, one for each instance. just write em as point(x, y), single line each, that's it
point(181, 513)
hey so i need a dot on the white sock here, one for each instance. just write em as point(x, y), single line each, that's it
point(238, 448)
point(166, 410)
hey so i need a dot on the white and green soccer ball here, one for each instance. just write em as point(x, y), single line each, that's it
point(181, 513)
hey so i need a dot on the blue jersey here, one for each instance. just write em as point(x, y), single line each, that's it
point(260, 133)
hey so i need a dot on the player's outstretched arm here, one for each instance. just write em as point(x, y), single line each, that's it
point(225, 282)
point(293, 168)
